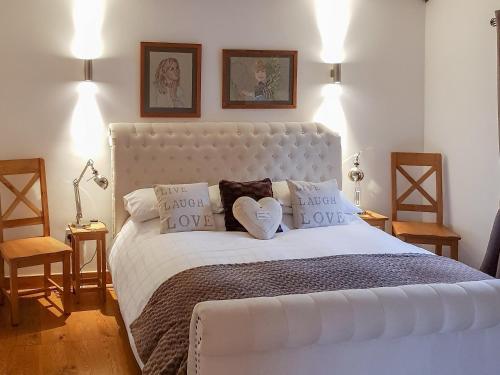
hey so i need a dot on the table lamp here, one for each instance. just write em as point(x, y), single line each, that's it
point(356, 175)
point(100, 180)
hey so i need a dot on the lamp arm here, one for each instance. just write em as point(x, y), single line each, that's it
point(76, 186)
point(78, 203)
point(90, 164)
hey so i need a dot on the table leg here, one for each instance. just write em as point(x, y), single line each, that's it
point(454, 250)
point(76, 268)
point(99, 263)
point(439, 250)
point(66, 283)
point(103, 266)
point(73, 268)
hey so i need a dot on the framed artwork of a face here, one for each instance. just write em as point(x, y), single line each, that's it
point(259, 79)
point(170, 79)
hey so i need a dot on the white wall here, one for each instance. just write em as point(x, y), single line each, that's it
point(461, 115)
point(379, 107)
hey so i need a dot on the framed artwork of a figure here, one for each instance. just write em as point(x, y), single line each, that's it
point(259, 79)
point(170, 79)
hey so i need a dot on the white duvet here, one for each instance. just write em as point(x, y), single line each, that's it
point(141, 259)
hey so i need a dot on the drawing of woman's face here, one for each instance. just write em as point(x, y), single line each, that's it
point(168, 72)
point(173, 72)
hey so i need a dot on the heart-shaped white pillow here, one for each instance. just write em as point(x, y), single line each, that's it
point(261, 219)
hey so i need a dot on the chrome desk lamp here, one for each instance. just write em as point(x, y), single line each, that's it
point(356, 175)
point(100, 180)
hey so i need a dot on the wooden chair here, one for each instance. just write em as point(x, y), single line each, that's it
point(30, 251)
point(421, 232)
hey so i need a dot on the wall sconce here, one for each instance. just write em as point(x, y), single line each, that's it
point(87, 70)
point(336, 73)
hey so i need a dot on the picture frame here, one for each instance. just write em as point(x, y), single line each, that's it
point(259, 79)
point(170, 80)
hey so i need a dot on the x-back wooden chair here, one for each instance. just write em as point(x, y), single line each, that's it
point(434, 233)
point(32, 251)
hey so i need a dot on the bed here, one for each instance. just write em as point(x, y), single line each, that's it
point(441, 328)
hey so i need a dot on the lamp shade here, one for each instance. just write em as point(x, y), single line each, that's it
point(101, 181)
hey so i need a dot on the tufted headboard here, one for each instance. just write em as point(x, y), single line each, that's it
point(170, 153)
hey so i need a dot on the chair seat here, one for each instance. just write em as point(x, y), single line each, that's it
point(422, 229)
point(31, 247)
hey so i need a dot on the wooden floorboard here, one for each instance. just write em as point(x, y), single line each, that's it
point(92, 340)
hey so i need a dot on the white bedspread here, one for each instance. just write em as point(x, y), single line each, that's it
point(141, 259)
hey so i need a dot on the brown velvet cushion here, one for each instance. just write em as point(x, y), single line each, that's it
point(231, 190)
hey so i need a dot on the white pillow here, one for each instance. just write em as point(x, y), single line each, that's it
point(281, 193)
point(347, 206)
point(215, 199)
point(142, 205)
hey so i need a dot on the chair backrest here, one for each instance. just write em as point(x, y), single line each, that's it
point(35, 167)
point(434, 161)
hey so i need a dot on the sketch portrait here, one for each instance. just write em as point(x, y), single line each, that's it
point(170, 80)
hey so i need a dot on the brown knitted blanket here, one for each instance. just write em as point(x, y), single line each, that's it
point(161, 332)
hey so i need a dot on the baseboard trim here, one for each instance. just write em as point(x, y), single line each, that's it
point(36, 281)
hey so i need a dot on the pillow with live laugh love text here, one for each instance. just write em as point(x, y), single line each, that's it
point(184, 208)
point(316, 204)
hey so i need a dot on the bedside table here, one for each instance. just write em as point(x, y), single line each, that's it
point(95, 232)
point(374, 219)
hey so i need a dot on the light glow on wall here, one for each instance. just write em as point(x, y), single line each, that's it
point(87, 127)
point(333, 18)
point(87, 19)
point(331, 112)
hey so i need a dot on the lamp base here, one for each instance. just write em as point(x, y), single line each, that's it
point(81, 224)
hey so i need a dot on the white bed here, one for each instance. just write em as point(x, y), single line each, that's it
point(142, 259)
point(422, 329)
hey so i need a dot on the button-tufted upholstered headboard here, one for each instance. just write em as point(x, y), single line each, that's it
point(170, 153)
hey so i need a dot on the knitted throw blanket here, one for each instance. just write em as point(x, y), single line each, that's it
point(161, 332)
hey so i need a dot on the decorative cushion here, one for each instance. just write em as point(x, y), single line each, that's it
point(316, 204)
point(142, 205)
point(215, 200)
point(231, 190)
point(184, 208)
point(281, 193)
point(261, 219)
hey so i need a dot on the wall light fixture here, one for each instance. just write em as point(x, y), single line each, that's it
point(87, 70)
point(336, 73)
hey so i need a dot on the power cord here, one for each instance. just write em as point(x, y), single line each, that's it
point(91, 259)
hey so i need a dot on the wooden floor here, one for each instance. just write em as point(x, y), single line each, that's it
point(92, 340)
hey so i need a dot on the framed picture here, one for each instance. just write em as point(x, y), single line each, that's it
point(170, 79)
point(259, 79)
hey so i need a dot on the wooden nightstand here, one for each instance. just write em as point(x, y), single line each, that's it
point(374, 219)
point(95, 232)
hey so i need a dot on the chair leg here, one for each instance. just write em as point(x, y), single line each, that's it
point(66, 284)
point(2, 280)
point(14, 295)
point(454, 250)
point(46, 276)
point(439, 250)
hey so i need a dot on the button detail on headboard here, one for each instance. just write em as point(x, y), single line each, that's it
point(190, 152)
